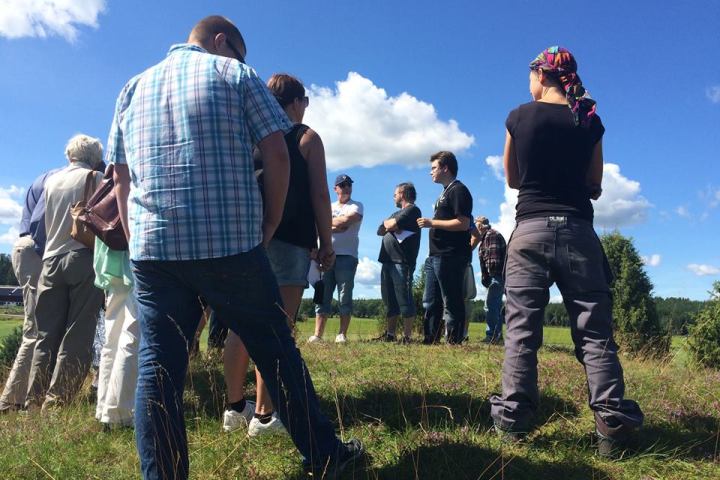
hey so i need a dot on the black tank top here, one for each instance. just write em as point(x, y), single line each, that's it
point(297, 226)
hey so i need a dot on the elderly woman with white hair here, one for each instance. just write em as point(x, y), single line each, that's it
point(67, 300)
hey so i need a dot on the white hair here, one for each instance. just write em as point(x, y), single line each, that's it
point(86, 149)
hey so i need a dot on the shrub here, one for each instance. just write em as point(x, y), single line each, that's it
point(704, 339)
point(637, 324)
point(9, 347)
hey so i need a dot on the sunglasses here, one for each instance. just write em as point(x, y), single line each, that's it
point(344, 184)
point(235, 51)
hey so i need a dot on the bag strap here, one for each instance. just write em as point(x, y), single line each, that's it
point(89, 185)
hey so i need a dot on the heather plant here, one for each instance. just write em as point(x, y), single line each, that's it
point(9, 347)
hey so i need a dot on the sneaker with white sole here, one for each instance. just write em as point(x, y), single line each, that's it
point(341, 338)
point(257, 428)
point(233, 420)
point(314, 339)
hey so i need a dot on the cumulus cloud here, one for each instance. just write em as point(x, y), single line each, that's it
point(10, 207)
point(652, 260)
point(702, 270)
point(362, 126)
point(9, 237)
point(43, 18)
point(620, 204)
point(368, 272)
point(713, 93)
point(556, 299)
point(495, 162)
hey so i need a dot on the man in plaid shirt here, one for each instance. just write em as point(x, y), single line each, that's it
point(492, 261)
point(183, 135)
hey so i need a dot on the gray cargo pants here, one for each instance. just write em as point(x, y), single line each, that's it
point(27, 265)
point(67, 308)
point(566, 251)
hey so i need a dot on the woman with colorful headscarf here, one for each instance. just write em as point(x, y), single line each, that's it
point(553, 156)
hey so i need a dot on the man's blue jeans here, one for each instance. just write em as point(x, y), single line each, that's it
point(445, 275)
point(341, 275)
point(242, 290)
point(493, 305)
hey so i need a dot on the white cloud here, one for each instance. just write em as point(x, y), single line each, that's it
point(556, 299)
point(10, 207)
point(506, 222)
point(682, 211)
point(368, 272)
point(362, 126)
point(43, 18)
point(495, 162)
point(9, 237)
point(703, 270)
point(713, 93)
point(652, 260)
point(620, 203)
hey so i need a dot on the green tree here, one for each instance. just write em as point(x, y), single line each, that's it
point(7, 276)
point(637, 325)
point(704, 339)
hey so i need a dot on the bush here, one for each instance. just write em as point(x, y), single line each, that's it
point(704, 339)
point(9, 347)
point(638, 328)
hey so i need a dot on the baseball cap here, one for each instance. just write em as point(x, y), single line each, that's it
point(343, 178)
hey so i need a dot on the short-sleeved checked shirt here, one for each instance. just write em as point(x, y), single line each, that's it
point(186, 128)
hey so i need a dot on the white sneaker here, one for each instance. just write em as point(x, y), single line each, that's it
point(258, 428)
point(233, 420)
point(341, 338)
point(314, 339)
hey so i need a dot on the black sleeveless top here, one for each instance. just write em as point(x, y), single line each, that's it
point(297, 226)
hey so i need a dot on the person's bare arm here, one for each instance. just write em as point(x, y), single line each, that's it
point(276, 171)
point(458, 224)
point(595, 172)
point(512, 175)
point(313, 150)
point(344, 221)
point(474, 238)
point(121, 177)
point(391, 225)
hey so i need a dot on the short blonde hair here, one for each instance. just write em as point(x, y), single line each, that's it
point(84, 148)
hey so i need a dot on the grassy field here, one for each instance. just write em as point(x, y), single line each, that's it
point(421, 411)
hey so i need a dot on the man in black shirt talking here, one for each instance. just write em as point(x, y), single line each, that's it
point(449, 246)
point(398, 252)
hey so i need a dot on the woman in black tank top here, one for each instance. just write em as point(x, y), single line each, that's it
point(553, 155)
point(306, 219)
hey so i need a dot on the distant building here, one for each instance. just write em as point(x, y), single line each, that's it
point(11, 295)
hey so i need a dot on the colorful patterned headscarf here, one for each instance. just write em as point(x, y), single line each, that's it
point(560, 64)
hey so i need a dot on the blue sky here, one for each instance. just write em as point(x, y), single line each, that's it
point(392, 82)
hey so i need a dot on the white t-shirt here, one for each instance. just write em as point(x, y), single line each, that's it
point(346, 243)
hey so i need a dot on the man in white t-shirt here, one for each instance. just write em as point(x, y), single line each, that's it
point(347, 216)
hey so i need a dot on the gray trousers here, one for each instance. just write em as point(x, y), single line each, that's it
point(67, 307)
point(27, 265)
point(568, 252)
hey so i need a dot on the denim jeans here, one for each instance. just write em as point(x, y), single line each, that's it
point(565, 251)
point(445, 275)
point(242, 290)
point(493, 306)
point(341, 275)
point(396, 289)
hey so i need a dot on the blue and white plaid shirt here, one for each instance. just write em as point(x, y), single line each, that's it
point(186, 128)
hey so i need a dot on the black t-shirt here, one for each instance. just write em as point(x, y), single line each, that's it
point(454, 202)
point(553, 157)
point(394, 251)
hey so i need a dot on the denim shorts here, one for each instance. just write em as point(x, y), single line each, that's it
point(289, 263)
point(342, 276)
point(396, 289)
